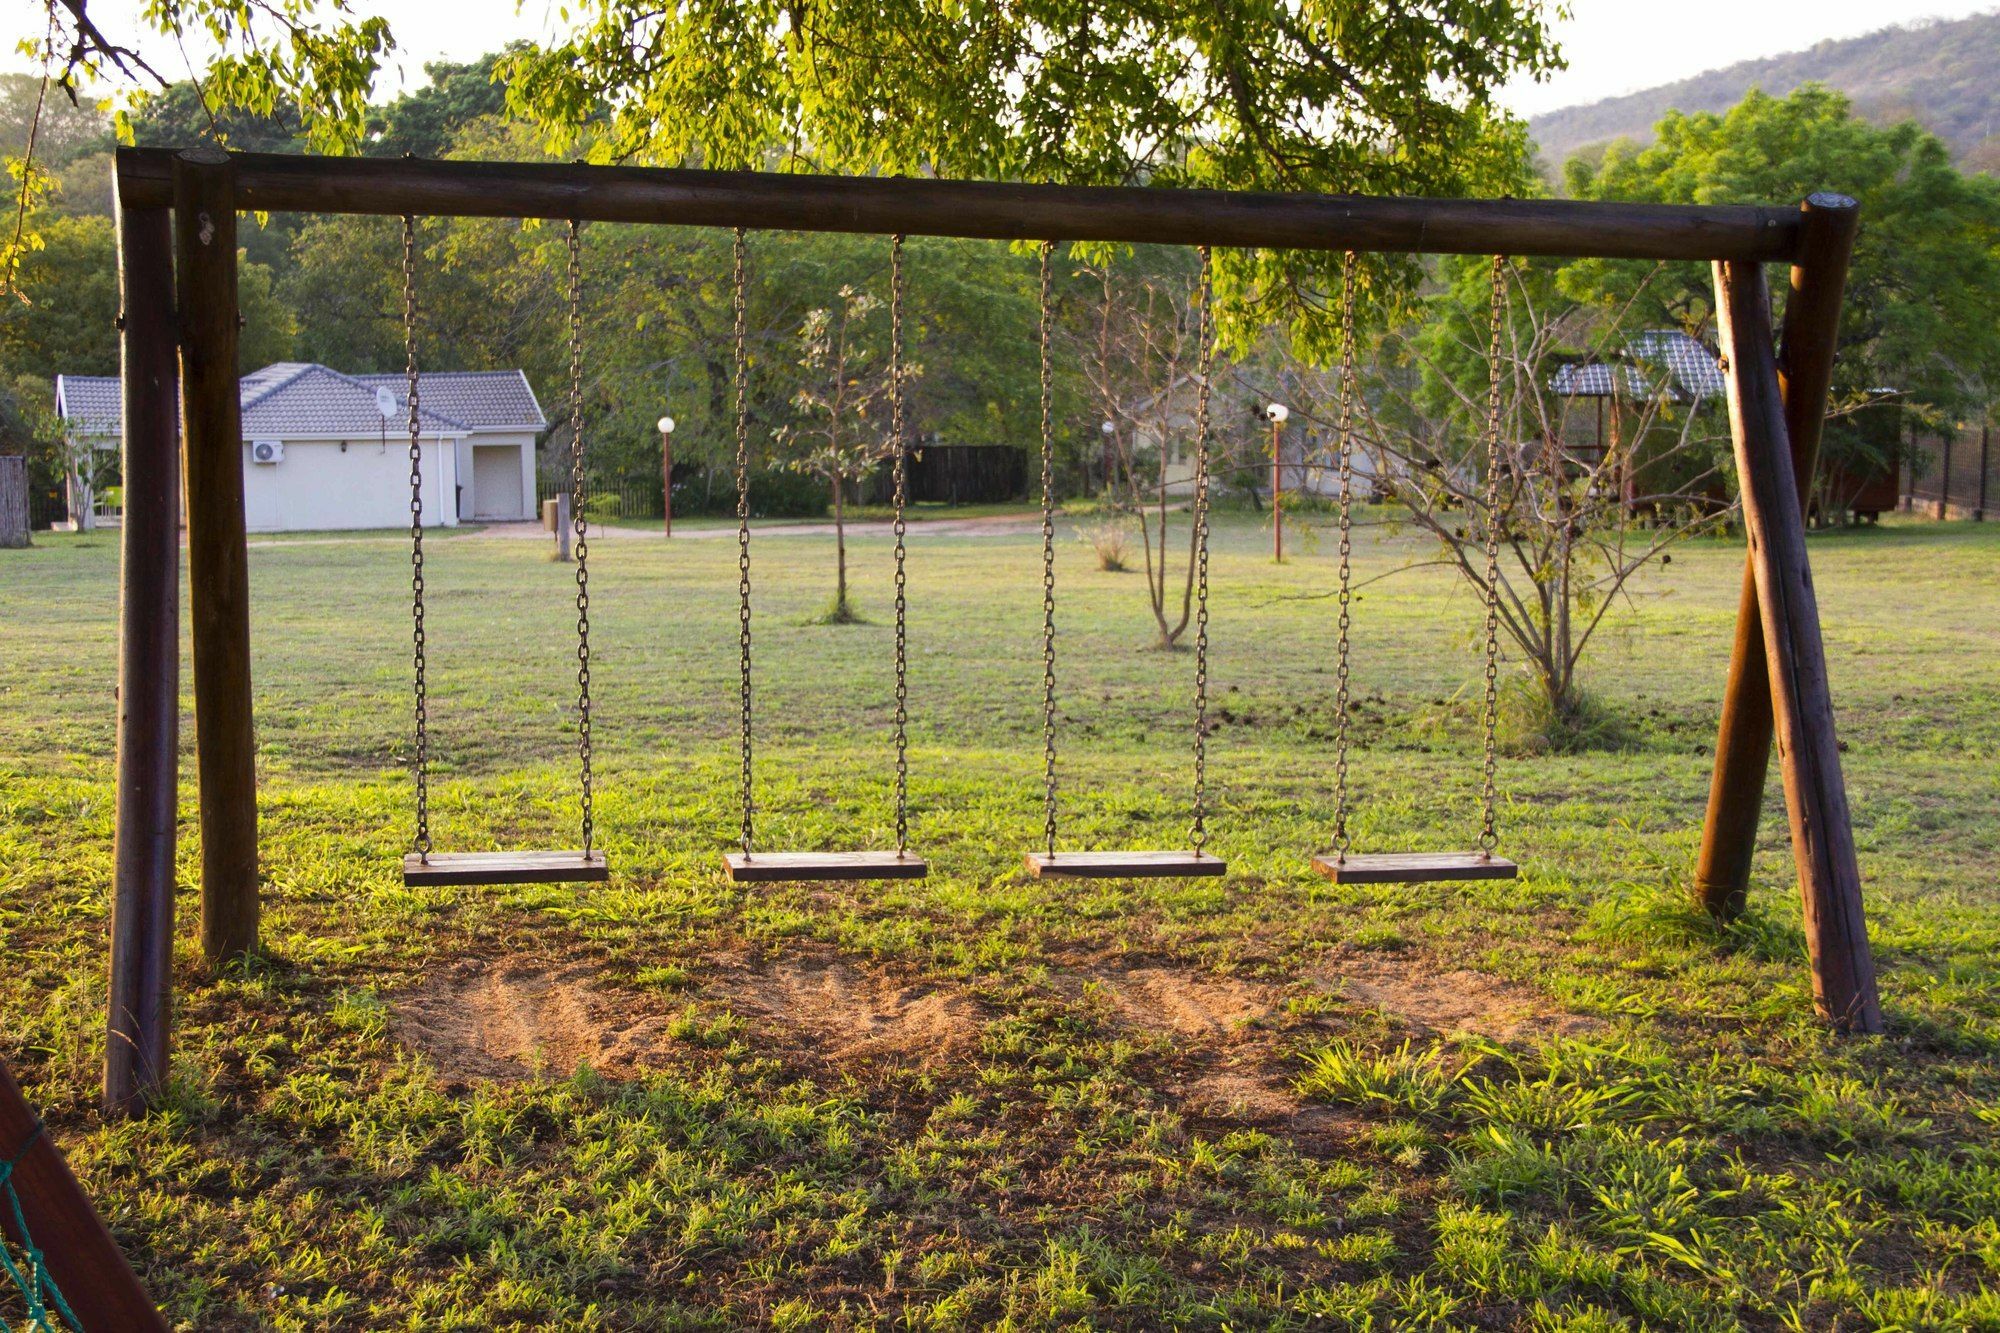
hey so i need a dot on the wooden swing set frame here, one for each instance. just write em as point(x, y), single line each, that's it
point(176, 215)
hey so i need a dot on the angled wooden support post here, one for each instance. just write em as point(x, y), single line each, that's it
point(1801, 702)
point(1743, 741)
point(149, 659)
point(84, 1261)
point(218, 555)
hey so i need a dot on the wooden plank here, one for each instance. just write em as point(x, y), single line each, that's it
point(88, 1267)
point(1743, 737)
point(1124, 865)
point(1413, 867)
point(14, 517)
point(218, 554)
point(1801, 700)
point(149, 662)
point(992, 210)
point(506, 868)
point(779, 867)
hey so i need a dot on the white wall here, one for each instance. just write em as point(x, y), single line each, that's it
point(322, 486)
point(523, 438)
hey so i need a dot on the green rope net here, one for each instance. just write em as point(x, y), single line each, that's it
point(31, 1276)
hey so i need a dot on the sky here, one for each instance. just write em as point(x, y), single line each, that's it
point(1613, 46)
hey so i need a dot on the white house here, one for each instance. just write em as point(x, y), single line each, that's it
point(321, 452)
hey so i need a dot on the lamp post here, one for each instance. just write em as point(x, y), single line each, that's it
point(667, 470)
point(1277, 412)
point(1110, 429)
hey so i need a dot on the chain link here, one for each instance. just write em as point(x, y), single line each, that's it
point(1205, 352)
point(896, 428)
point(581, 526)
point(1048, 556)
point(421, 761)
point(1344, 428)
point(742, 345)
point(1489, 835)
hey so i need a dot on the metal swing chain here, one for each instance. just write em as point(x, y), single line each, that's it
point(1048, 560)
point(1205, 351)
point(1489, 836)
point(742, 343)
point(902, 496)
point(1344, 428)
point(421, 761)
point(581, 526)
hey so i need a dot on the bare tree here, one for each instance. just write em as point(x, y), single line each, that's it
point(1138, 352)
point(1611, 443)
point(842, 430)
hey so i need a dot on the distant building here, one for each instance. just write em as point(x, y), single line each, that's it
point(320, 452)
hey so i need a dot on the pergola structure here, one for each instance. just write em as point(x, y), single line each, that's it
point(178, 283)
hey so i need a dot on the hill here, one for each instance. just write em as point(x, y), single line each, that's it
point(1942, 73)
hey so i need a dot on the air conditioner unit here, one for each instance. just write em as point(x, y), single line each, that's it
point(267, 451)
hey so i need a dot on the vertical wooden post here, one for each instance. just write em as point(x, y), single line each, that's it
point(1743, 739)
point(1802, 702)
point(1985, 465)
point(14, 519)
point(218, 555)
point(149, 662)
point(87, 1265)
point(562, 526)
point(1944, 477)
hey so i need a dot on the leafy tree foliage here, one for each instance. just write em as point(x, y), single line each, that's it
point(1333, 95)
point(1926, 275)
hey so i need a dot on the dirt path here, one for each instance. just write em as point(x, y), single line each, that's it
point(991, 525)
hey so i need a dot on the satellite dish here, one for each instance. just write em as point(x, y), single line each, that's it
point(385, 402)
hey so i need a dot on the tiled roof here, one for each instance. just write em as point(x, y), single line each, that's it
point(1595, 379)
point(312, 400)
point(1690, 368)
point(296, 398)
point(482, 399)
point(92, 401)
point(1694, 368)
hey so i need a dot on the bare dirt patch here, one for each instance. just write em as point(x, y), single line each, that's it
point(851, 1013)
point(1415, 990)
point(1184, 1003)
point(508, 1019)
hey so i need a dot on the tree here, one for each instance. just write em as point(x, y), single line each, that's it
point(427, 121)
point(1579, 504)
point(843, 428)
point(1354, 95)
point(1926, 271)
point(1137, 350)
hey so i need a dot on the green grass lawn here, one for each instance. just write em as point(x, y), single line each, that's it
point(986, 1101)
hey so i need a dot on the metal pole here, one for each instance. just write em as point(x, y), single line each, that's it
point(1277, 498)
point(667, 471)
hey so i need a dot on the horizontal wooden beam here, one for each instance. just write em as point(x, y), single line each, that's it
point(278, 182)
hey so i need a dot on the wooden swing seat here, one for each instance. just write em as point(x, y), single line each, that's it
point(786, 867)
point(1123, 865)
point(1413, 867)
point(506, 868)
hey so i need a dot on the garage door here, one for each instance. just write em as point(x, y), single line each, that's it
point(496, 481)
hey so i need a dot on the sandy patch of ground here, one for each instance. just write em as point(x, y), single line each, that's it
point(511, 1019)
point(848, 1012)
point(1416, 991)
